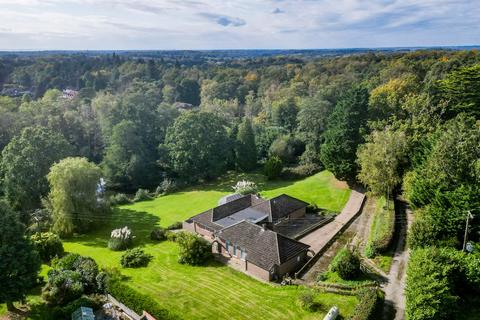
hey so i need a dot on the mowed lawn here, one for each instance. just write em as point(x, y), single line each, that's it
point(214, 291)
point(322, 189)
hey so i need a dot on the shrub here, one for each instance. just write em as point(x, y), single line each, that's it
point(135, 258)
point(381, 232)
point(48, 245)
point(158, 234)
point(193, 249)
point(307, 301)
point(86, 267)
point(119, 199)
point(138, 301)
point(142, 195)
point(368, 301)
point(175, 226)
point(62, 287)
point(166, 186)
point(171, 236)
point(273, 167)
point(120, 239)
point(246, 187)
point(346, 263)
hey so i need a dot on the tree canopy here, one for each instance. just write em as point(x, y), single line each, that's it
point(19, 261)
point(73, 195)
point(25, 163)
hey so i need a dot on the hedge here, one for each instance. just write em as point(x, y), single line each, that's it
point(369, 300)
point(382, 229)
point(137, 301)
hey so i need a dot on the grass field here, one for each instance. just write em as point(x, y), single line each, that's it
point(214, 291)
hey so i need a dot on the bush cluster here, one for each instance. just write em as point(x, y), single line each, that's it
point(382, 229)
point(119, 199)
point(137, 301)
point(70, 278)
point(48, 245)
point(369, 299)
point(142, 195)
point(193, 249)
point(158, 234)
point(135, 258)
point(346, 263)
point(120, 239)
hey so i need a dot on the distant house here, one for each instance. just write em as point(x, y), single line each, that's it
point(69, 93)
point(240, 230)
point(183, 106)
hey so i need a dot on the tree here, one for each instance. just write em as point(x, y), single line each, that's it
point(273, 167)
point(380, 161)
point(19, 261)
point(312, 121)
point(246, 151)
point(287, 148)
point(73, 195)
point(127, 163)
point(386, 100)
point(25, 163)
point(189, 92)
point(343, 134)
point(284, 114)
point(429, 290)
point(197, 146)
point(447, 179)
point(461, 89)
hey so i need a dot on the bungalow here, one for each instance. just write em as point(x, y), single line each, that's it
point(240, 230)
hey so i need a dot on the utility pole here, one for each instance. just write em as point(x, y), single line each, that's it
point(469, 216)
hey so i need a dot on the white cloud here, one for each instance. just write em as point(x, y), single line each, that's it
point(195, 24)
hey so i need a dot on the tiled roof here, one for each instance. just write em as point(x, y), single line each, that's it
point(263, 247)
point(280, 207)
point(229, 197)
point(209, 218)
point(205, 220)
point(231, 207)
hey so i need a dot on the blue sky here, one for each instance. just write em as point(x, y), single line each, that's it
point(241, 24)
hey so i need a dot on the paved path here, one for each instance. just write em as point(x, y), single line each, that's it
point(321, 237)
point(394, 307)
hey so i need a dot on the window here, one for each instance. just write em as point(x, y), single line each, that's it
point(242, 254)
point(227, 245)
point(234, 250)
point(298, 259)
